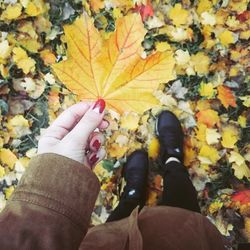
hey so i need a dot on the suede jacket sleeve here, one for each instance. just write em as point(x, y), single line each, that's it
point(51, 206)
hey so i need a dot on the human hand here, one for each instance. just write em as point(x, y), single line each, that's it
point(72, 134)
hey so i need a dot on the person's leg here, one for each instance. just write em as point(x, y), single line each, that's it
point(134, 194)
point(178, 189)
point(123, 209)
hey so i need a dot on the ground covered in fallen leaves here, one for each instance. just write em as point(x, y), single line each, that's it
point(189, 56)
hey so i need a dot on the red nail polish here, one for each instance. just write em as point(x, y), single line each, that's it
point(93, 159)
point(96, 144)
point(99, 106)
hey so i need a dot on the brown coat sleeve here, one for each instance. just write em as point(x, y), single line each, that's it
point(51, 206)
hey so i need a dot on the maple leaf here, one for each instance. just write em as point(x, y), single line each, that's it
point(237, 158)
point(201, 132)
point(208, 117)
point(212, 136)
point(178, 15)
point(230, 136)
point(207, 90)
point(241, 170)
point(7, 157)
point(113, 69)
point(226, 96)
point(226, 38)
point(208, 155)
point(130, 121)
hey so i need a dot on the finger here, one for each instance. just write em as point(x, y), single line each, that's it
point(67, 120)
point(88, 123)
point(94, 157)
point(96, 141)
point(104, 124)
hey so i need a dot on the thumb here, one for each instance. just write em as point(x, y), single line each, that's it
point(88, 123)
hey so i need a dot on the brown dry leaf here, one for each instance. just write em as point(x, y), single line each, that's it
point(113, 69)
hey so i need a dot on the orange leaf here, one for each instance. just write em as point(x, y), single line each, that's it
point(208, 117)
point(243, 197)
point(226, 96)
point(48, 57)
point(113, 69)
point(96, 5)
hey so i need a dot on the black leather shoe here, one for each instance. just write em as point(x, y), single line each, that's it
point(135, 173)
point(170, 134)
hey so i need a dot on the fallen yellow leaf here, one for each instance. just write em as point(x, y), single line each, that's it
point(212, 136)
point(208, 155)
point(237, 158)
point(201, 132)
point(229, 137)
point(246, 100)
point(215, 206)
point(117, 151)
point(7, 157)
point(18, 126)
point(162, 46)
point(22, 60)
point(5, 49)
point(226, 38)
point(130, 121)
point(178, 15)
point(190, 155)
point(242, 120)
point(154, 148)
point(200, 61)
point(247, 228)
point(8, 191)
point(204, 5)
point(207, 90)
point(152, 198)
point(2, 171)
point(12, 11)
point(113, 69)
point(241, 170)
point(35, 8)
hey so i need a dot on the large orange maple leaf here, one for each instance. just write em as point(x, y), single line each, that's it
point(113, 69)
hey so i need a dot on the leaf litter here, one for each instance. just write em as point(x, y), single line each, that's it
point(190, 57)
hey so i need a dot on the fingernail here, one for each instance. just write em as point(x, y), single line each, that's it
point(99, 106)
point(96, 144)
point(93, 159)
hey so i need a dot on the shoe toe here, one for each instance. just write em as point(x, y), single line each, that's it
point(167, 119)
point(137, 158)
